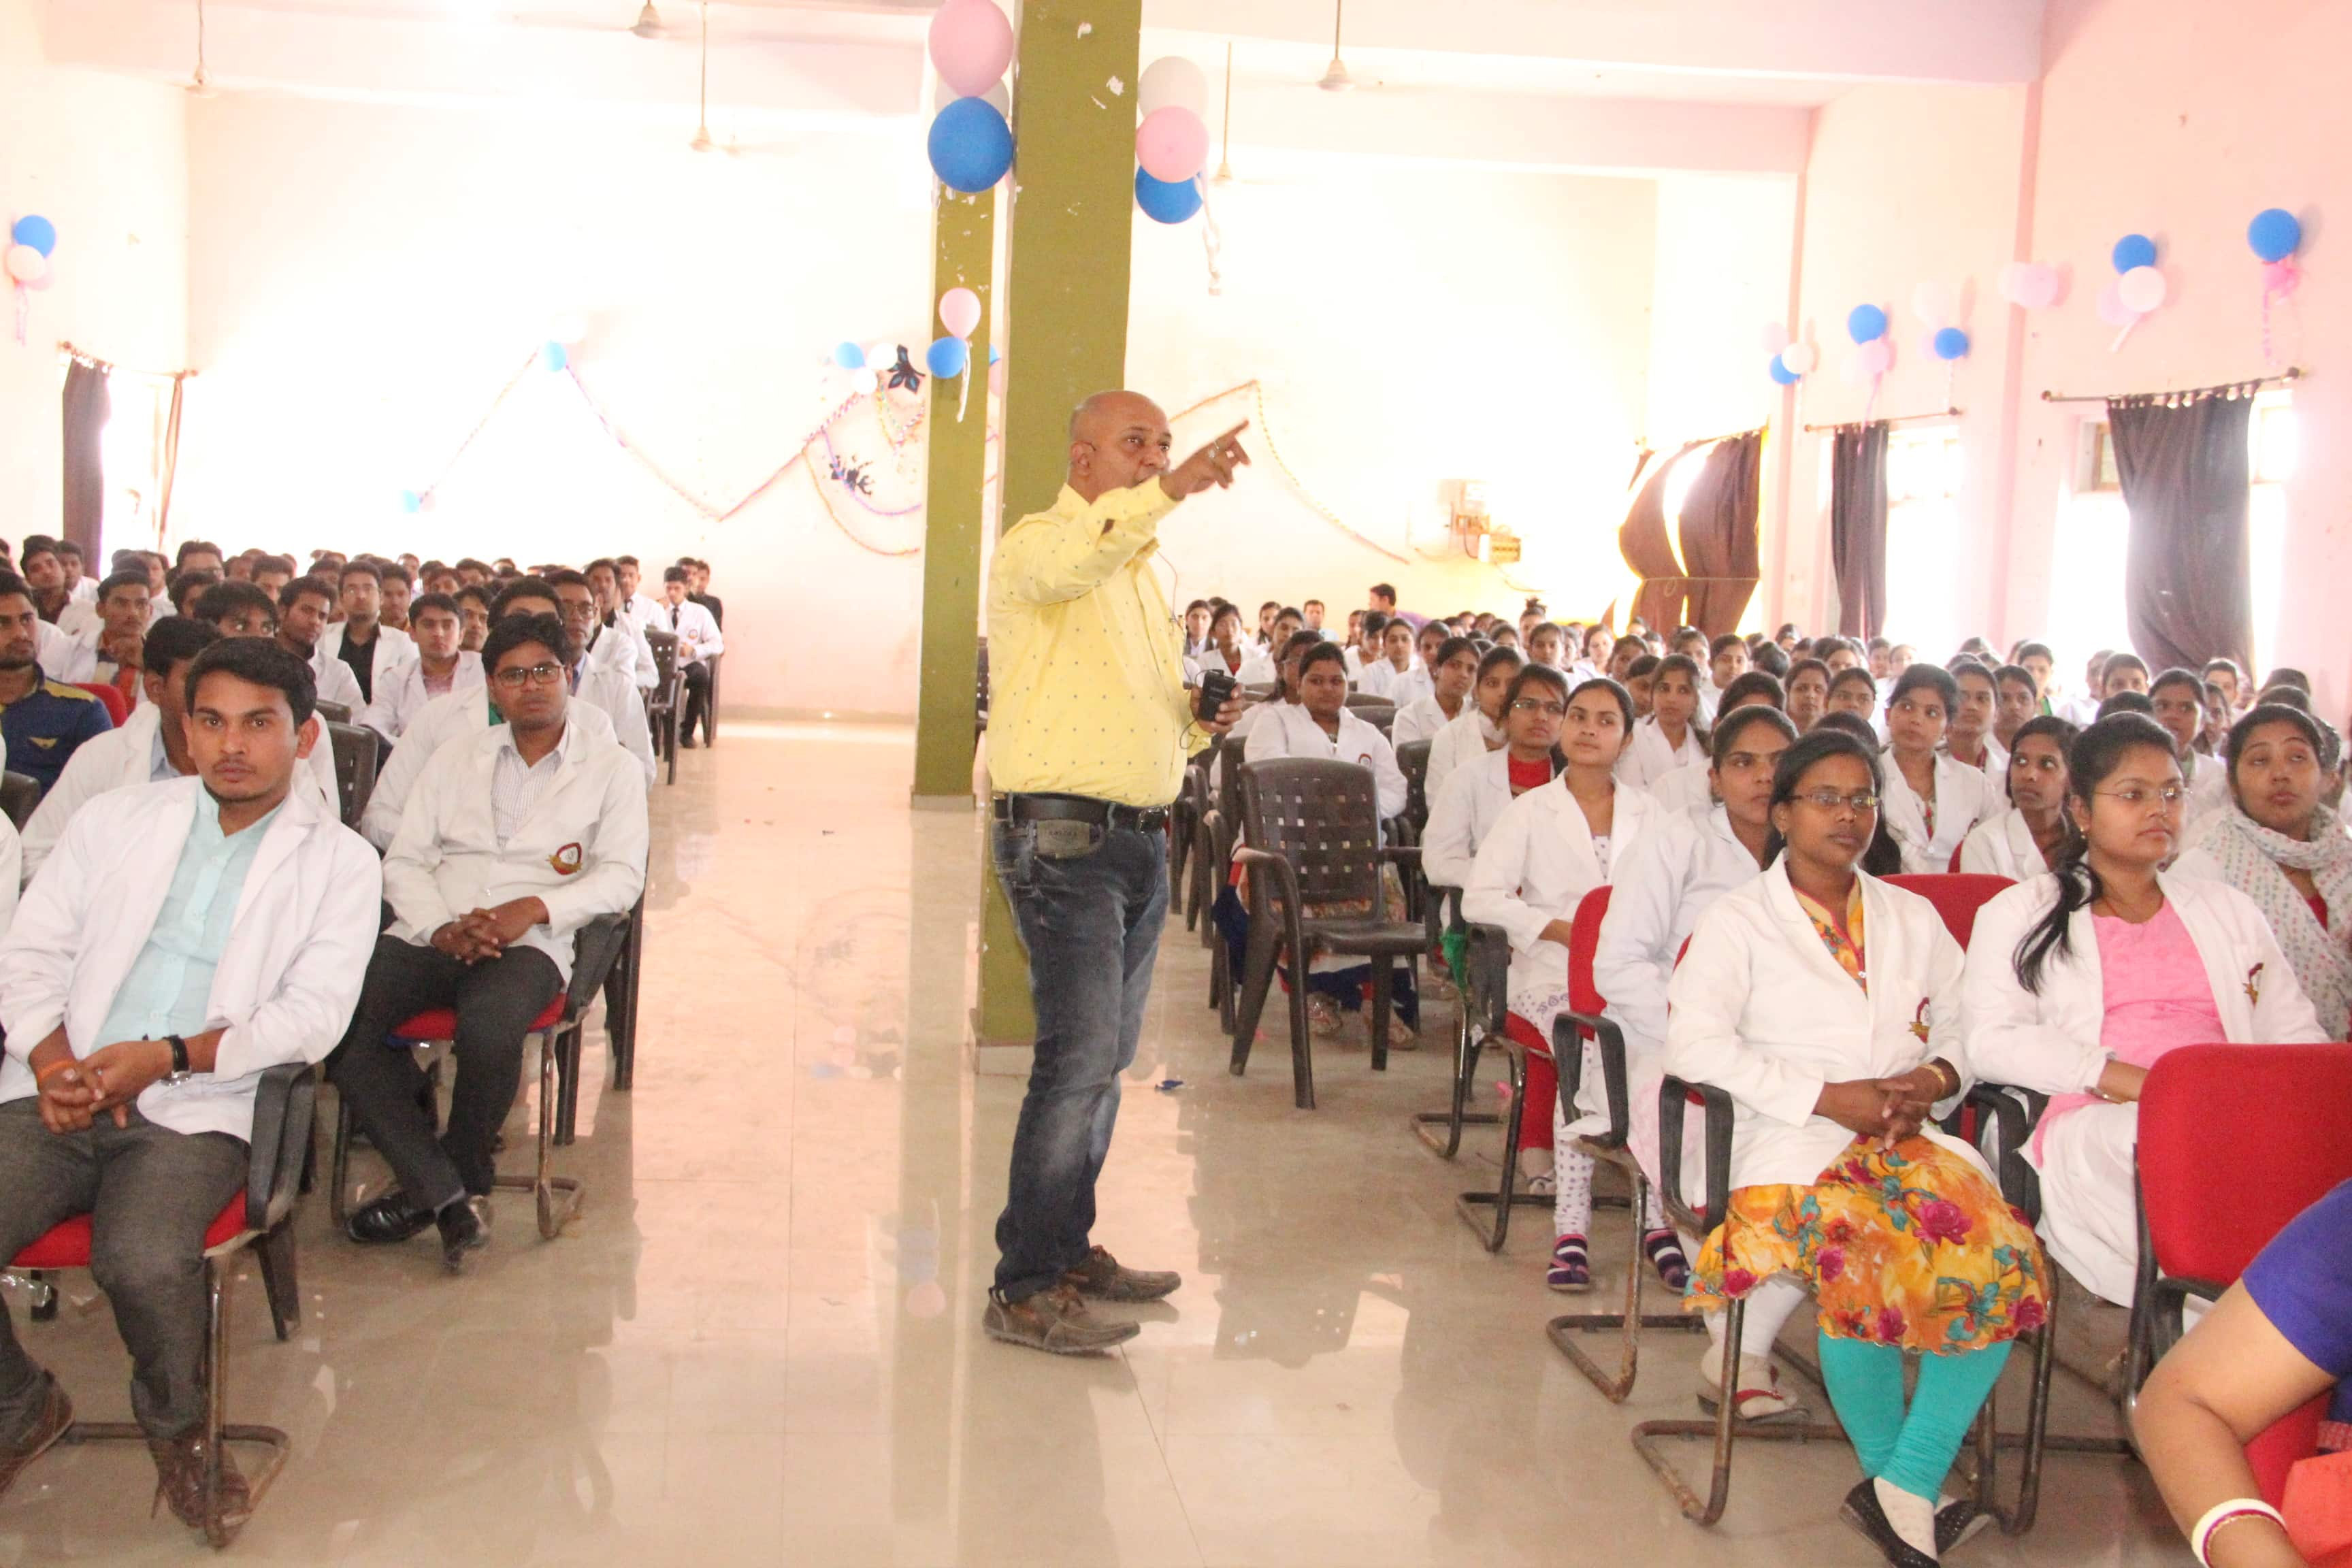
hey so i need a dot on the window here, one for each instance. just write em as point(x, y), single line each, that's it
point(1925, 571)
point(130, 452)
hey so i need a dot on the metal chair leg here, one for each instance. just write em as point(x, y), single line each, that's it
point(1567, 1329)
point(1457, 1116)
point(274, 1254)
point(1383, 1006)
point(1490, 1214)
point(559, 1197)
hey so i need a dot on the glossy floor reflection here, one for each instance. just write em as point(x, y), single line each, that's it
point(761, 1344)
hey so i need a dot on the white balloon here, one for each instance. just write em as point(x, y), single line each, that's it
point(1000, 99)
point(1932, 303)
point(2142, 290)
point(881, 356)
point(25, 265)
point(1801, 357)
point(1173, 82)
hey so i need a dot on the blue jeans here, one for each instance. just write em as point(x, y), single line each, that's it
point(1091, 928)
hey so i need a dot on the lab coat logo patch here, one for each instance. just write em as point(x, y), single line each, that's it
point(1919, 1021)
point(566, 861)
point(2254, 986)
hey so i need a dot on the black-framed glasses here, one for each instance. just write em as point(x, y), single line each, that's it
point(537, 675)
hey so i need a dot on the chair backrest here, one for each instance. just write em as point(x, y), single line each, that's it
point(1957, 896)
point(1228, 777)
point(594, 948)
point(118, 707)
point(357, 749)
point(1583, 941)
point(2235, 1141)
point(334, 712)
point(280, 1143)
point(1412, 761)
point(19, 794)
point(1321, 814)
point(665, 646)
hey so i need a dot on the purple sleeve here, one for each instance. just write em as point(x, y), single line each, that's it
point(2303, 1282)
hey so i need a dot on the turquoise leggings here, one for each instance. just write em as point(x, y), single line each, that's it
point(1913, 1451)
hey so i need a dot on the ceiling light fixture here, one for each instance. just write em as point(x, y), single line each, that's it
point(649, 23)
point(1336, 78)
point(200, 85)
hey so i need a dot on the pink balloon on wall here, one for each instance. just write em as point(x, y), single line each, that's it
point(2040, 287)
point(971, 45)
point(960, 311)
point(1776, 338)
point(1875, 357)
point(1171, 144)
point(2112, 309)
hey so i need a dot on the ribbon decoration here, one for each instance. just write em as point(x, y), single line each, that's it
point(904, 373)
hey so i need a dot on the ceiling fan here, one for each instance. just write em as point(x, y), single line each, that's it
point(1334, 76)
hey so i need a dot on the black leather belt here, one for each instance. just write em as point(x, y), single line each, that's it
point(1080, 809)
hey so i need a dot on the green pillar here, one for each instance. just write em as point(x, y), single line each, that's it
point(1066, 265)
point(954, 533)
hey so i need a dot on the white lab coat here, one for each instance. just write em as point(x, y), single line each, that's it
point(1289, 731)
point(1647, 758)
point(1760, 1009)
point(1962, 800)
point(1257, 668)
point(394, 647)
point(581, 851)
point(1659, 889)
point(1465, 738)
point(436, 724)
point(697, 634)
point(1414, 685)
point(2209, 794)
point(2050, 1041)
point(1686, 791)
point(631, 628)
point(1380, 678)
point(336, 682)
point(287, 978)
point(1460, 815)
point(1421, 720)
point(2002, 845)
point(400, 695)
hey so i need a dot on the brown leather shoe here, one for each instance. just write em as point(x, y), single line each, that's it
point(57, 1415)
point(1055, 1322)
point(180, 1481)
point(1102, 1277)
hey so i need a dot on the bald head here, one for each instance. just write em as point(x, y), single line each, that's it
point(1117, 439)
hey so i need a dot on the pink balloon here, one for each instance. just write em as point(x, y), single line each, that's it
point(1876, 357)
point(971, 45)
point(27, 265)
point(996, 377)
point(2141, 289)
point(960, 311)
point(1171, 144)
point(1776, 338)
point(2039, 286)
point(2112, 309)
point(2281, 278)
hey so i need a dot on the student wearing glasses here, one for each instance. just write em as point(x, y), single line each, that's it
point(2078, 982)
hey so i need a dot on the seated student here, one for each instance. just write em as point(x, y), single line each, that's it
point(1932, 800)
point(1662, 886)
point(1197, 615)
point(2078, 982)
point(2123, 672)
point(45, 576)
point(2176, 698)
point(1288, 624)
point(243, 610)
point(2016, 699)
point(1671, 735)
point(1726, 661)
point(698, 643)
point(1477, 793)
point(1807, 686)
point(1232, 652)
point(576, 605)
point(1546, 644)
point(1879, 659)
point(1600, 645)
point(1554, 841)
point(1453, 665)
point(1418, 681)
point(1767, 658)
point(1968, 734)
point(183, 937)
point(271, 573)
point(1478, 729)
point(1854, 690)
point(439, 667)
point(2276, 839)
point(2213, 736)
point(361, 641)
point(1622, 652)
point(303, 609)
point(107, 651)
point(473, 602)
point(43, 720)
point(2225, 674)
point(514, 838)
point(1826, 1003)
point(1641, 684)
point(1839, 654)
point(1683, 789)
point(2126, 702)
point(1311, 616)
point(1263, 636)
point(1382, 671)
point(152, 746)
point(399, 590)
point(2025, 841)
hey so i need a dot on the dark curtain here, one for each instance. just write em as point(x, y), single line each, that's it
point(1718, 533)
point(1642, 540)
point(86, 406)
point(168, 463)
point(1858, 527)
point(2186, 474)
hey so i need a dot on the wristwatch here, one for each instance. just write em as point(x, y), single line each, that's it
point(179, 1073)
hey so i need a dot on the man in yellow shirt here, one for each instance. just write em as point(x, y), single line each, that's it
point(1089, 724)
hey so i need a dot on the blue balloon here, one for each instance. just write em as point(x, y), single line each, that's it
point(992, 355)
point(1167, 201)
point(2134, 250)
point(1866, 323)
point(947, 357)
point(849, 356)
point(1951, 342)
point(1780, 372)
point(553, 355)
point(411, 502)
point(2274, 233)
point(37, 231)
point(970, 145)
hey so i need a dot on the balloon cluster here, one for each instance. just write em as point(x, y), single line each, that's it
point(2275, 235)
point(1874, 350)
point(958, 312)
point(2031, 285)
point(1790, 361)
point(31, 240)
point(1934, 305)
point(2137, 289)
point(1172, 143)
point(970, 142)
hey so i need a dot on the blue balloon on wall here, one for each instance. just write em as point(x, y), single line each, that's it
point(849, 356)
point(1865, 323)
point(994, 354)
point(37, 231)
point(2134, 250)
point(2274, 233)
point(1779, 373)
point(947, 357)
point(970, 145)
point(411, 502)
point(1951, 342)
point(1166, 201)
point(553, 355)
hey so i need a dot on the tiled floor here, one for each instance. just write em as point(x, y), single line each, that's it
point(759, 1345)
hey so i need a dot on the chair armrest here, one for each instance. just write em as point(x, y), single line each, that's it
point(1673, 1100)
point(1284, 877)
point(1568, 1050)
point(1406, 859)
point(1441, 912)
point(281, 1138)
point(596, 947)
point(2014, 1113)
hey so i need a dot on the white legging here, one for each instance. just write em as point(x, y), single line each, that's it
point(1572, 1168)
point(1769, 1306)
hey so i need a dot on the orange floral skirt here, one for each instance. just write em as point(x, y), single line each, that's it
point(1912, 1247)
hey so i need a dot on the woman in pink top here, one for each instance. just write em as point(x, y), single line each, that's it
point(2078, 981)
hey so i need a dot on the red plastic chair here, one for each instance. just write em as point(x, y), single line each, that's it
point(1957, 895)
point(118, 707)
point(256, 1216)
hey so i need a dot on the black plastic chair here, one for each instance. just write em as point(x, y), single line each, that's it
point(1312, 846)
point(621, 990)
point(1477, 1019)
point(1412, 761)
point(711, 700)
point(668, 697)
point(20, 794)
point(357, 751)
